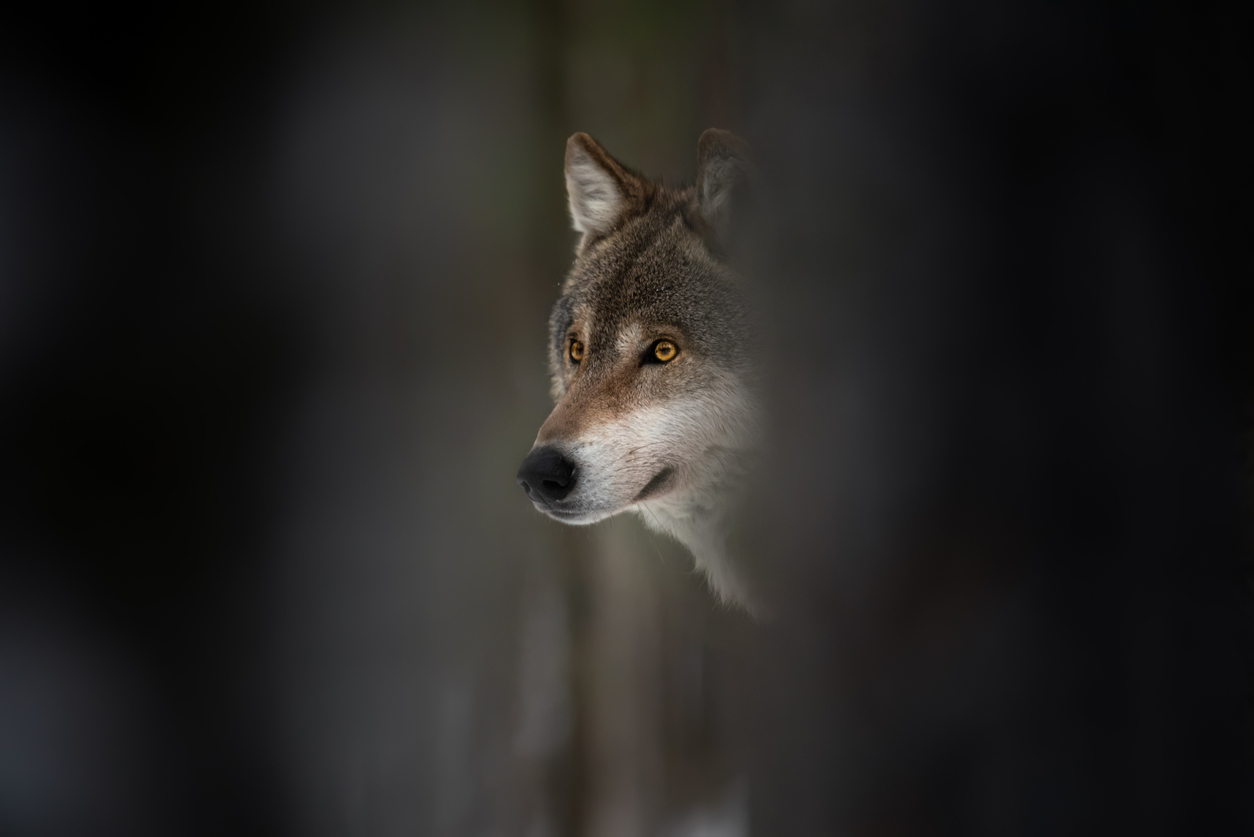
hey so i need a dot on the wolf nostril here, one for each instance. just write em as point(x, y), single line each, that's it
point(546, 475)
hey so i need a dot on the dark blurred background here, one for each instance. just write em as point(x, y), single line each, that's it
point(273, 289)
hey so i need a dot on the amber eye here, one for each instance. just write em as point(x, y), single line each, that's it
point(576, 350)
point(665, 350)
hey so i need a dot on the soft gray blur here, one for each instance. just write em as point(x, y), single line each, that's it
point(274, 285)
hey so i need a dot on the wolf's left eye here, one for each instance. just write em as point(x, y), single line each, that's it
point(576, 350)
point(665, 351)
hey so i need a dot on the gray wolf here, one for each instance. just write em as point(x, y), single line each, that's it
point(651, 358)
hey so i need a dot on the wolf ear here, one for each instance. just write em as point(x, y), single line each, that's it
point(600, 189)
point(722, 163)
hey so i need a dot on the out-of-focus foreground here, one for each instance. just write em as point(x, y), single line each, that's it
point(274, 284)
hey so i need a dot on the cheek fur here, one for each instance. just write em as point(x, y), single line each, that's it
point(620, 457)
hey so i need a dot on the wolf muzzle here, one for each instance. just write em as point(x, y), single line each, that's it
point(546, 475)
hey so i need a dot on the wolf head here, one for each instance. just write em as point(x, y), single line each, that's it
point(649, 348)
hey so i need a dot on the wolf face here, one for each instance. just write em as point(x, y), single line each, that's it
point(650, 356)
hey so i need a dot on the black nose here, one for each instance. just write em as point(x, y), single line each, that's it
point(546, 475)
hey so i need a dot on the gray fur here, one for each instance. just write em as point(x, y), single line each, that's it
point(666, 440)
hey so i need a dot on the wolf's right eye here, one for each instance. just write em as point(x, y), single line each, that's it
point(576, 350)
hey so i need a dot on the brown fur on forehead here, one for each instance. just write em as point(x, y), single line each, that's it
point(654, 270)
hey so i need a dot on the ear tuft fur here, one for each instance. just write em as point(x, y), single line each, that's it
point(722, 162)
point(599, 188)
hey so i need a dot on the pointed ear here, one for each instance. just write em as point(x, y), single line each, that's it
point(600, 189)
point(722, 163)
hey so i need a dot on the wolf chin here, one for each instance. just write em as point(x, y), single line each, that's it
point(651, 357)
